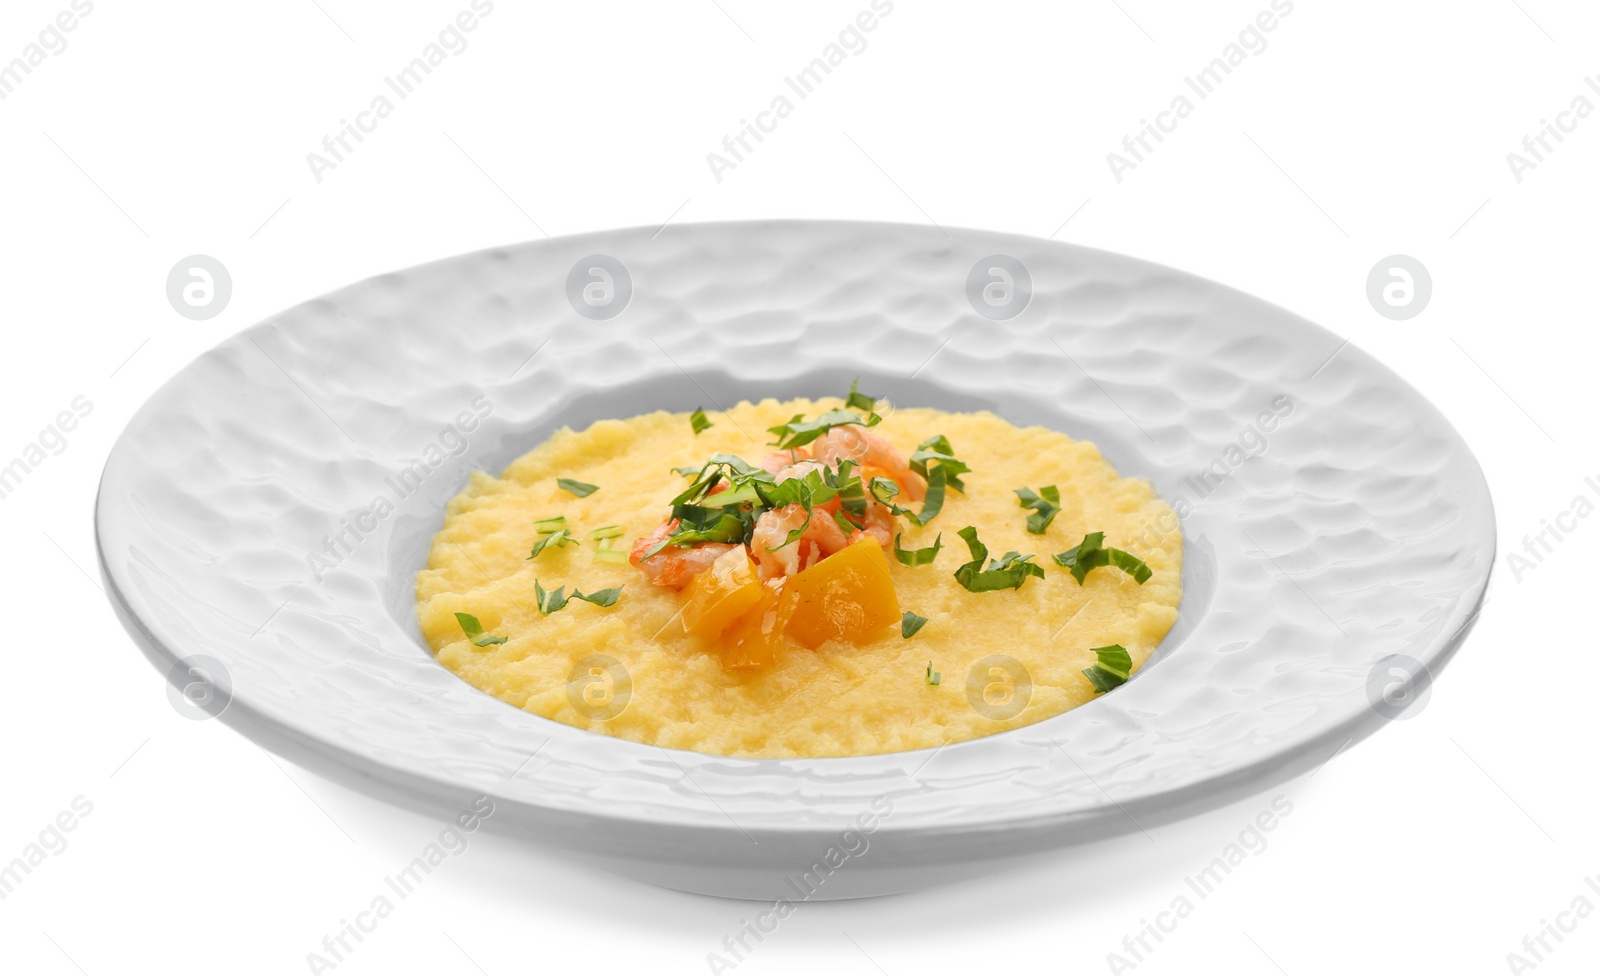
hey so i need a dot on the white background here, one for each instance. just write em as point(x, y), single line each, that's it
point(1364, 129)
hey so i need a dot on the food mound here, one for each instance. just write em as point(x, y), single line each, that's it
point(791, 595)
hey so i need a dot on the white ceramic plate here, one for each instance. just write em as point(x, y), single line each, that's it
point(1361, 529)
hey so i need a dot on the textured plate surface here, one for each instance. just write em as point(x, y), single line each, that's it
point(1357, 528)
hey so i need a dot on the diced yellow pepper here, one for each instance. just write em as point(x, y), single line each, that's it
point(721, 594)
point(847, 596)
point(752, 642)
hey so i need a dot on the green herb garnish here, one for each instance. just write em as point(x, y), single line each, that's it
point(474, 631)
point(818, 488)
point(723, 528)
point(917, 557)
point(556, 523)
point(1092, 553)
point(605, 552)
point(937, 449)
point(1113, 666)
point(931, 676)
point(860, 401)
point(552, 600)
point(933, 500)
point(549, 602)
point(698, 421)
point(728, 494)
point(910, 623)
point(799, 431)
point(600, 598)
point(561, 538)
point(885, 492)
point(1046, 506)
point(860, 410)
point(1008, 572)
point(577, 487)
point(748, 493)
point(724, 517)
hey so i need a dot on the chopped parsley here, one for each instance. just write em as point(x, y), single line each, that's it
point(474, 631)
point(577, 487)
point(1008, 572)
point(931, 676)
point(1112, 667)
point(698, 421)
point(560, 538)
point(917, 557)
point(1092, 553)
point(1046, 506)
point(910, 623)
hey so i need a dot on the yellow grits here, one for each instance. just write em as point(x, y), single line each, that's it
point(842, 699)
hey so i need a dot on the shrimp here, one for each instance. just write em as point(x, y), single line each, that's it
point(855, 443)
point(821, 538)
point(877, 523)
point(674, 566)
point(800, 469)
point(778, 460)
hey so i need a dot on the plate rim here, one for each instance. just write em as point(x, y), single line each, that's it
point(1267, 767)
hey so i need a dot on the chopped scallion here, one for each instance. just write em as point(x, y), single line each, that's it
point(561, 538)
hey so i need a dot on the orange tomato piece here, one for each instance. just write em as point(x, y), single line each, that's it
point(752, 642)
point(847, 596)
point(721, 594)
